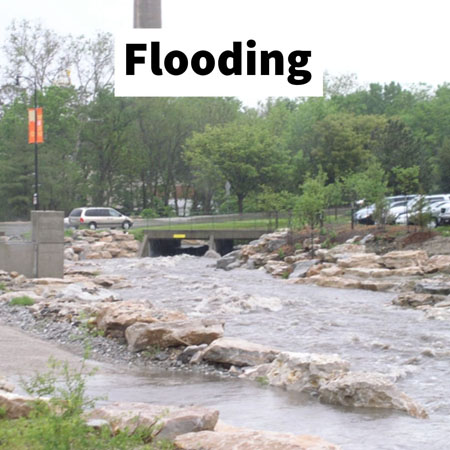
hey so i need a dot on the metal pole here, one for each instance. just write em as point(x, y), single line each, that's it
point(36, 178)
point(147, 13)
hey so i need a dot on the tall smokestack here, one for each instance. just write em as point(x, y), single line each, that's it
point(147, 13)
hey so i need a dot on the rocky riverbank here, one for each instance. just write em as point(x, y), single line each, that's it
point(83, 308)
point(423, 280)
point(91, 244)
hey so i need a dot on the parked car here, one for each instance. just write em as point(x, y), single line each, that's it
point(444, 214)
point(365, 214)
point(395, 209)
point(432, 205)
point(99, 218)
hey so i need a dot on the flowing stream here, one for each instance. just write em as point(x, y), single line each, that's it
point(363, 327)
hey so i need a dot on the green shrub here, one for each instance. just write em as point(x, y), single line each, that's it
point(21, 301)
point(2, 287)
point(149, 213)
point(59, 423)
point(138, 234)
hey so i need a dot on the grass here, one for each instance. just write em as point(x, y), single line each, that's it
point(258, 224)
point(59, 423)
point(21, 301)
point(2, 287)
point(443, 231)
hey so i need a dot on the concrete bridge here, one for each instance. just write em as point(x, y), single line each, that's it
point(168, 242)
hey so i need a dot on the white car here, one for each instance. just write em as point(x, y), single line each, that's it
point(99, 218)
point(432, 205)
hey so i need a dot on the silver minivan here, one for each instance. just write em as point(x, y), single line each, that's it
point(99, 218)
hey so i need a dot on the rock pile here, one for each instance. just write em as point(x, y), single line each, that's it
point(187, 427)
point(348, 265)
point(91, 244)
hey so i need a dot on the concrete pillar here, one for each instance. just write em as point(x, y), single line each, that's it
point(212, 243)
point(147, 13)
point(48, 239)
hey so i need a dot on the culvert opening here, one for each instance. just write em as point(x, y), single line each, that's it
point(172, 247)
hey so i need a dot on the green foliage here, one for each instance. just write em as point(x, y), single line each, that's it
point(262, 380)
point(149, 213)
point(139, 153)
point(242, 152)
point(138, 233)
point(21, 301)
point(59, 423)
point(444, 231)
point(420, 214)
point(312, 202)
point(407, 179)
point(2, 286)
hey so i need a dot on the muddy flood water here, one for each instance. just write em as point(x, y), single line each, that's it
point(362, 327)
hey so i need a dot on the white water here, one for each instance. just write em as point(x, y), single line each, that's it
point(361, 326)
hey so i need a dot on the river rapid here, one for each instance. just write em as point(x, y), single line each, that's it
point(363, 327)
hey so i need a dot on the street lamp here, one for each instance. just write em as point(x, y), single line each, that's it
point(36, 175)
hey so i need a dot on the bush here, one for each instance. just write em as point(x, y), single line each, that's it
point(149, 213)
point(21, 301)
point(59, 423)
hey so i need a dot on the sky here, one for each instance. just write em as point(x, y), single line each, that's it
point(380, 41)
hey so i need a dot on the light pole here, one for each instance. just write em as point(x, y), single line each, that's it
point(36, 174)
point(36, 177)
point(147, 13)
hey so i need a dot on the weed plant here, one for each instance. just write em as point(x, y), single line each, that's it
point(57, 420)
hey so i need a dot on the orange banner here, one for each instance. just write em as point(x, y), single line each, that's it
point(34, 114)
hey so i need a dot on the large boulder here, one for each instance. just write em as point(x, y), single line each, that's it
point(15, 406)
point(245, 439)
point(5, 385)
point(238, 352)
point(114, 318)
point(277, 268)
point(8, 296)
point(226, 261)
point(368, 390)
point(301, 268)
point(365, 260)
point(413, 300)
point(164, 422)
point(337, 252)
point(300, 372)
point(404, 258)
point(438, 263)
point(433, 287)
point(172, 334)
point(366, 272)
point(336, 282)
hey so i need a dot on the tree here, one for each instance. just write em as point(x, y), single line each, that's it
point(342, 142)
point(312, 202)
point(406, 179)
point(244, 152)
